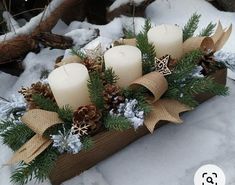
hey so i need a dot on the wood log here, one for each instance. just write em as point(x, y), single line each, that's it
point(69, 10)
point(21, 45)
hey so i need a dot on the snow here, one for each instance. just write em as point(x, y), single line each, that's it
point(82, 36)
point(117, 3)
point(12, 24)
point(34, 65)
point(173, 153)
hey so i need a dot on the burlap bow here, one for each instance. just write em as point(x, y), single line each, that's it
point(211, 44)
point(39, 121)
point(162, 109)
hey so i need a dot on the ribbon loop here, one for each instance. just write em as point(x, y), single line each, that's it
point(155, 82)
point(209, 44)
point(39, 121)
point(162, 109)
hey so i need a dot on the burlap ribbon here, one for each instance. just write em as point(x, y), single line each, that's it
point(211, 44)
point(39, 121)
point(162, 109)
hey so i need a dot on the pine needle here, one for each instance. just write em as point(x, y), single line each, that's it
point(206, 32)
point(95, 86)
point(147, 49)
point(183, 86)
point(44, 103)
point(16, 135)
point(87, 143)
point(118, 123)
point(191, 26)
point(38, 169)
point(110, 77)
point(78, 52)
point(66, 114)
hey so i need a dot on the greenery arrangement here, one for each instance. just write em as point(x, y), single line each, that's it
point(108, 105)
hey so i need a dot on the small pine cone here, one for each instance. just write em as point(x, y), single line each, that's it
point(208, 63)
point(112, 96)
point(172, 63)
point(86, 120)
point(92, 65)
point(36, 88)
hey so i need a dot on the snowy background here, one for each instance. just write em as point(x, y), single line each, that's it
point(173, 153)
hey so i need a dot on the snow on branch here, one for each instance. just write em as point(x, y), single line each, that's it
point(32, 24)
point(12, 24)
point(119, 3)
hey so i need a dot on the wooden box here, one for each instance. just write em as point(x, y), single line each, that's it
point(109, 142)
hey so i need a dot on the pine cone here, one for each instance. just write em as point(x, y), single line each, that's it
point(92, 65)
point(172, 63)
point(208, 63)
point(36, 88)
point(112, 96)
point(86, 120)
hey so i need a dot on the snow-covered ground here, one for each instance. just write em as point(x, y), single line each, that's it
point(173, 153)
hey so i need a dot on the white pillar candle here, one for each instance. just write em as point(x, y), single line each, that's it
point(126, 62)
point(69, 85)
point(167, 39)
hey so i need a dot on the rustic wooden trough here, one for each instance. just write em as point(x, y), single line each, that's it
point(109, 142)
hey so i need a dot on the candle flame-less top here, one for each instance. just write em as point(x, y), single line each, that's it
point(69, 85)
point(167, 39)
point(126, 61)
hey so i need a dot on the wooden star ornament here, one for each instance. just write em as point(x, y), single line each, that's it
point(161, 65)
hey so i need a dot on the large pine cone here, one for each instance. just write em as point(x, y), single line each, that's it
point(112, 97)
point(86, 120)
point(36, 88)
point(92, 65)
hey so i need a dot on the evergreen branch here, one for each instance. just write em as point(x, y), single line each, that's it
point(78, 53)
point(140, 95)
point(185, 66)
point(148, 53)
point(16, 135)
point(66, 114)
point(191, 26)
point(87, 143)
point(147, 26)
point(6, 124)
point(110, 77)
point(183, 86)
point(38, 169)
point(206, 85)
point(44, 103)
point(128, 34)
point(186, 92)
point(95, 86)
point(206, 32)
point(118, 123)
point(147, 49)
